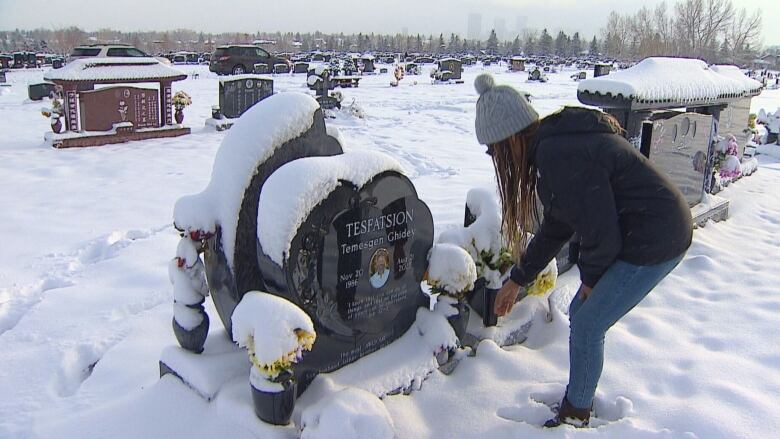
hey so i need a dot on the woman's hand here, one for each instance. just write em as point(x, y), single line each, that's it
point(505, 299)
point(584, 292)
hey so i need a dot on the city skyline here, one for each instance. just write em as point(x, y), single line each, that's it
point(434, 17)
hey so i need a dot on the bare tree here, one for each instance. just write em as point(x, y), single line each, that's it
point(69, 38)
point(718, 14)
point(743, 31)
point(689, 24)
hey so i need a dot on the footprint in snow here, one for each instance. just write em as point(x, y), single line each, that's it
point(540, 404)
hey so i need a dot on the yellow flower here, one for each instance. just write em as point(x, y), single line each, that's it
point(285, 362)
point(544, 282)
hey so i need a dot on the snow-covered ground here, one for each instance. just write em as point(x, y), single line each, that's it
point(86, 305)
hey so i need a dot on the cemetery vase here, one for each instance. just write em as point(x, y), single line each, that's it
point(179, 115)
point(193, 340)
point(460, 321)
point(489, 317)
point(216, 112)
point(276, 407)
point(56, 126)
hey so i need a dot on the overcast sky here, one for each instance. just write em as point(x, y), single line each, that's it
point(388, 16)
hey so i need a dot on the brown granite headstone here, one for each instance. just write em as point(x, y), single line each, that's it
point(101, 109)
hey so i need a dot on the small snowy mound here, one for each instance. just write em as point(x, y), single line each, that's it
point(350, 413)
point(749, 166)
point(274, 330)
point(252, 140)
point(451, 268)
point(287, 199)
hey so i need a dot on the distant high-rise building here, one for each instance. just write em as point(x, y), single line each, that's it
point(404, 31)
point(474, 27)
point(520, 24)
point(500, 27)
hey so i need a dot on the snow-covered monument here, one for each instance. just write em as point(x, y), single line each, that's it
point(683, 115)
point(119, 112)
point(309, 246)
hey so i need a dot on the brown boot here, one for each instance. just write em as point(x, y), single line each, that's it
point(568, 414)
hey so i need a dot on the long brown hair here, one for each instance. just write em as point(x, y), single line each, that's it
point(516, 178)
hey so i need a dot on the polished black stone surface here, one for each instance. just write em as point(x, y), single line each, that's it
point(680, 146)
point(355, 267)
point(228, 286)
point(237, 96)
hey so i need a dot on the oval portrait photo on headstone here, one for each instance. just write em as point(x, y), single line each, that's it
point(379, 270)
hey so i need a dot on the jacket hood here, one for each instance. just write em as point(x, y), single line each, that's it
point(573, 120)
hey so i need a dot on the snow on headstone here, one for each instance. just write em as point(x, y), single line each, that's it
point(735, 73)
point(287, 199)
point(113, 68)
point(253, 139)
point(350, 413)
point(676, 79)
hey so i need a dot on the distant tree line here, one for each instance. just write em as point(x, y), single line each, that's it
point(713, 30)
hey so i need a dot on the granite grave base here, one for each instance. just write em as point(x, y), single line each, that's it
point(75, 140)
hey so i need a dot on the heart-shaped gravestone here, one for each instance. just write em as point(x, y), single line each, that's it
point(355, 266)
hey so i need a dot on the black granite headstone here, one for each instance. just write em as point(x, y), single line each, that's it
point(261, 69)
point(238, 95)
point(355, 266)
point(56, 63)
point(228, 285)
point(37, 92)
point(281, 69)
point(681, 146)
point(451, 65)
point(300, 67)
point(2, 77)
point(601, 70)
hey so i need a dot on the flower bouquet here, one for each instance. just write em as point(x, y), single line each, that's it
point(275, 333)
point(54, 114)
point(180, 100)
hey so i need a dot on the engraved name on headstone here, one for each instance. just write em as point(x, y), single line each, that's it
point(356, 265)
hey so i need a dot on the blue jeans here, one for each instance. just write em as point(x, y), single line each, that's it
point(619, 290)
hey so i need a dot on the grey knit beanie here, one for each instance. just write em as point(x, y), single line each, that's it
point(501, 111)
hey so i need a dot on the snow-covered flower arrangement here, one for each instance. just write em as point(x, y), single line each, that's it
point(181, 99)
point(727, 161)
point(451, 271)
point(482, 239)
point(55, 112)
point(275, 333)
point(484, 243)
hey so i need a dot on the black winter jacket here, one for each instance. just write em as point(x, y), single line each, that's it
point(592, 181)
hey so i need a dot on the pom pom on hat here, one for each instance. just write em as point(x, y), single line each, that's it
point(484, 82)
point(501, 111)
